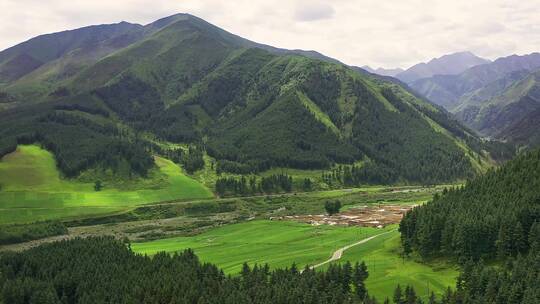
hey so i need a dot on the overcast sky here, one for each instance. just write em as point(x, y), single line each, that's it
point(358, 32)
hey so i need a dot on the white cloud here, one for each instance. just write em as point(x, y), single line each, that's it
point(359, 32)
point(312, 11)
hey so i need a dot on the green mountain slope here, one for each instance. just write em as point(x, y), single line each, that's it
point(493, 99)
point(494, 218)
point(31, 70)
point(251, 106)
point(451, 91)
point(466, 222)
point(496, 115)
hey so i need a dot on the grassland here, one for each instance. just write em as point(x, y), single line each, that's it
point(32, 189)
point(278, 243)
point(281, 243)
point(387, 268)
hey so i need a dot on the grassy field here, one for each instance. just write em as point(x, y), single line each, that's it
point(280, 243)
point(32, 189)
point(387, 268)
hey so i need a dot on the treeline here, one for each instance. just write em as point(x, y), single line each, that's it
point(18, 233)
point(275, 183)
point(357, 175)
point(191, 160)
point(492, 216)
point(515, 282)
point(103, 270)
point(77, 141)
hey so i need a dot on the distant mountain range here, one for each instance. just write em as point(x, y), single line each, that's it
point(100, 96)
point(383, 71)
point(451, 64)
point(496, 99)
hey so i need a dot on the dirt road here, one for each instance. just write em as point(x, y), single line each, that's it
point(338, 253)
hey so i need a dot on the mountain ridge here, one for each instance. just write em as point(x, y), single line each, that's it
point(450, 64)
point(251, 108)
point(491, 98)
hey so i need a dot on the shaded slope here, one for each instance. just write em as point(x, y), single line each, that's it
point(448, 90)
point(84, 44)
point(494, 116)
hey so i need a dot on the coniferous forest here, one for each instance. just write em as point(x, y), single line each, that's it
point(103, 270)
point(495, 217)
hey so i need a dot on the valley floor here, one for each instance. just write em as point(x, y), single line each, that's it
point(173, 211)
point(282, 243)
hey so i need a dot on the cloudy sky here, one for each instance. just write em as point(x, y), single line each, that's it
point(357, 32)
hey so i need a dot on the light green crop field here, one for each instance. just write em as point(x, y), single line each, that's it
point(278, 243)
point(32, 189)
point(387, 268)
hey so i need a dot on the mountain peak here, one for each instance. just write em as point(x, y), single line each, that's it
point(450, 64)
point(383, 71)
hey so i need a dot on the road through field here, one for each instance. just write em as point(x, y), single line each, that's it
point(338, 253)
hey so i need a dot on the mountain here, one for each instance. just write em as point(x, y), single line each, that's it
point(451, 64)
point(30, 69)
point(35, 69)
point(493, 98)
point(251, 106)
point(447, 90)
point(493, 115)
point(383, 71)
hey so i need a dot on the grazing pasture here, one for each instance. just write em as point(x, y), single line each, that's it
point(387, 268)
point(278, 243)
point(32, 189)
point(281, 243)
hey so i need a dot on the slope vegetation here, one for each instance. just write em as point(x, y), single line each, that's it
point(492, 216)
point(32, 189)
point(252, 107)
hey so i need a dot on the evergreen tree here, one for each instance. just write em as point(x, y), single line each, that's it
point(398, 295)
point(98, 185)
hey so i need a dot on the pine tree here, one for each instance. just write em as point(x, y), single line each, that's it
point(398, 295)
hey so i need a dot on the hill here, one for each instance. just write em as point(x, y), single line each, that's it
point(32, 188)
point(451, 64)
point(472, 222)
point(496, 218)
point(249, 106)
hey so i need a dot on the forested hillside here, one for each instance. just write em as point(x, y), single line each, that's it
point(250, 106)
point(494, 217)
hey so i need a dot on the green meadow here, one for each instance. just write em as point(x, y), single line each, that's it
point(387, 268)
point(281, 243)
point(32, 189)
point(277, 243)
